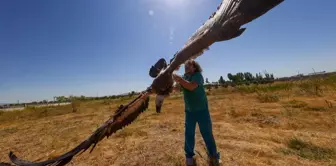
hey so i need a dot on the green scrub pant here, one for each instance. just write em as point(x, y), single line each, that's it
point(205, 125)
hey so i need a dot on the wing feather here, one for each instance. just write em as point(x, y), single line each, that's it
point(224, 24)
point(122, 117)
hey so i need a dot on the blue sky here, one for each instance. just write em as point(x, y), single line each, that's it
point(105, 47)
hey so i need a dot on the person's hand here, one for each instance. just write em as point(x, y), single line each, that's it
point(177, 78)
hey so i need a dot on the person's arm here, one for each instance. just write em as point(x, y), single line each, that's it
point(186, 84)
point(176, 87)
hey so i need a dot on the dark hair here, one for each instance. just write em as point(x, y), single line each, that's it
point(195, 64)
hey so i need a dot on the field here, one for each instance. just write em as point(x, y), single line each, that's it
point(285, 123)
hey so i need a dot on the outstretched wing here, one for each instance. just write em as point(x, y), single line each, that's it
point(222, 25)
point(122, 117)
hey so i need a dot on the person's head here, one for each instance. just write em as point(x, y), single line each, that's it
point(191, 66)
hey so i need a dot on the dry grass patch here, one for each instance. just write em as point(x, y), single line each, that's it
point(8, 131)
point(297, 104)
point(308, 150)
point(316, 108)
point(268, 97)
point(34, 113)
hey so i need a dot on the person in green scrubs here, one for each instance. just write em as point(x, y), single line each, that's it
point(196, 111)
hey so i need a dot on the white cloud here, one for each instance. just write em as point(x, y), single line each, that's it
point(151, 12)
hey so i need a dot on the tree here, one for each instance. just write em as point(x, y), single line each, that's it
point(221, 81)
point(240, 78)
point(259, 78)
point(71, 98)
point(82, 97)
point(207, 81)
point(269, 78)
point(131, 93)
point(230, 76)
point(61, 99)
point(248, 77)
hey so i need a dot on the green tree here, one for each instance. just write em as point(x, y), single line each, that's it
point(61, 99)
point(230, 76)
point(248, 78)
point(130, 94)
point(238, 79)
point(269, 78)
point(207, 81)
point(82, 97)
point(259, 78)
point(221, 81)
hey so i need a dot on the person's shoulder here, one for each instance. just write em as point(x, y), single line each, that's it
point(198, 74)
point(198, 77)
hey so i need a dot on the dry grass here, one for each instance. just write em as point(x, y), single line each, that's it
point(297, 127)
point(308, 150)
point(268, 98)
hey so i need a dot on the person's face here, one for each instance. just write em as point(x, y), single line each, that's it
point(189, 68)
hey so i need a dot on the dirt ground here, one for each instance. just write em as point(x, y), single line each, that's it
point(284, 126)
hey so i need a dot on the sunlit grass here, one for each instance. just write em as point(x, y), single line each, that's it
point(252, 125)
